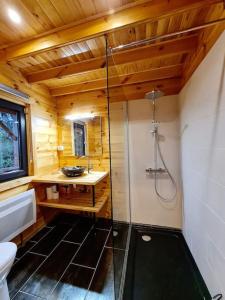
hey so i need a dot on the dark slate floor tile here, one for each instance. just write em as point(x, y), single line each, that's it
point(46, 277)
point(40, 234)
point(80, 231)
point(49, 242)
point(23, 249)
point(89, 253)
point(64, 218)
point(22, 270)
point(118, 257)
point(102, 286)
point(23, 296)
point(74, 284)
point(118, 236)
point(104, 223)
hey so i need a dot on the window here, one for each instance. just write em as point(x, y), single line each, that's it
point(13, 144)
point(79, 138)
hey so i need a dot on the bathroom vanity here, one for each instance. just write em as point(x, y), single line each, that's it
point(83, 193)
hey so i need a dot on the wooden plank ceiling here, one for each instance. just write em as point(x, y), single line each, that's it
point(69, 67)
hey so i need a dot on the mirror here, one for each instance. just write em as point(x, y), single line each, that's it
point(82, 137)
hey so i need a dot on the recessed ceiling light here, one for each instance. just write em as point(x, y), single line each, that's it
point(14, 16)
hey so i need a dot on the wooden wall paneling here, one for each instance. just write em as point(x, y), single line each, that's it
point(93, 137)
point(45, 143)
point(86, 104)
point(43, 118)
point(104, 188)
point(42, 108)
point(30, 146)
point(94, 102)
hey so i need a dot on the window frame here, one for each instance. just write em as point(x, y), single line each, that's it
point(23, 156)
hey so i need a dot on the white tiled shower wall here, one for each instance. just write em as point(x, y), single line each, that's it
point(202, 131)
point(146, 207)
point(131, 124)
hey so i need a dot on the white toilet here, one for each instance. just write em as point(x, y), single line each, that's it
point(7, 256)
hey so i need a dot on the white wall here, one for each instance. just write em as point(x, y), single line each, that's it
point(202, 109)
point(146, 207)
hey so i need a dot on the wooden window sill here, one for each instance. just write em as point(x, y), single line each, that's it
point(7, 185)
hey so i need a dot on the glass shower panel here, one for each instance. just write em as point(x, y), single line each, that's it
point(119, 174)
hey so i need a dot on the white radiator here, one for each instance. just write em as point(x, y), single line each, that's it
point(17, 214)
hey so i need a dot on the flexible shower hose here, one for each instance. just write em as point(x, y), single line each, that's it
point(158, 149)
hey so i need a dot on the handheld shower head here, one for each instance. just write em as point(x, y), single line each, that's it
point(154, 94)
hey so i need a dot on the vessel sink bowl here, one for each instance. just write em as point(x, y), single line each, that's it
point(74, 171)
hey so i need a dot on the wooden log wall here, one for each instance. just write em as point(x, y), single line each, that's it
point(42, 144)
point(45, 112)
point(43, 119)
point(87, 103)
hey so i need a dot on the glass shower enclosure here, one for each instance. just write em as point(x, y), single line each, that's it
point(120, 185)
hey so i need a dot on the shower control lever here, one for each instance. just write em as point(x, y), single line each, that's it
point(152, 171)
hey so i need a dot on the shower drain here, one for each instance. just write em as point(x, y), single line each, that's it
point(146, 238)
point(115, 233)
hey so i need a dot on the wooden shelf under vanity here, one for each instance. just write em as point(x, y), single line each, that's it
point(78, 203)
point(92, 199)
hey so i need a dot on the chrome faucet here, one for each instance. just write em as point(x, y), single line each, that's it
point(90, 166)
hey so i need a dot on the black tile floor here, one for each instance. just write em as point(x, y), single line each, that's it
point(71, 259)
point(68, 259)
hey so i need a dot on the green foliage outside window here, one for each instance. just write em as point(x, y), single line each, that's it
point(8, 141)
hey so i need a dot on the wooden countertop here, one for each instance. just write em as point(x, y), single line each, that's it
point(91, 178)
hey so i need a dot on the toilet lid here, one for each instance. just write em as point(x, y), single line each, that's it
point(7, 254)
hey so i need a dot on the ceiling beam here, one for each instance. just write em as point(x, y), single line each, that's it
point(122, 80)
point(131, 92)
point(128, 92)
point(162, 49)
point(151, 10)
point(172, 90)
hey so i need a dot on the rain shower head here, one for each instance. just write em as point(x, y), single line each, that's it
point(154, 94)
